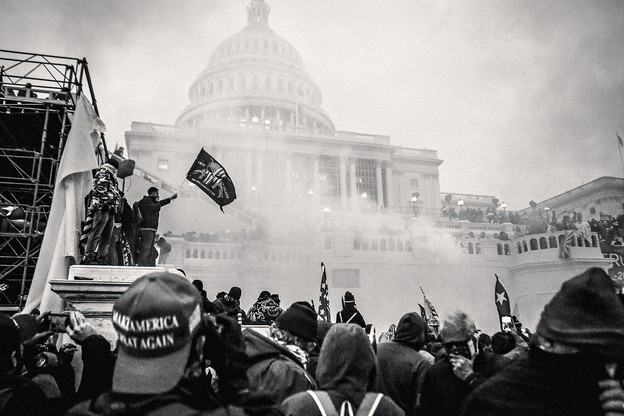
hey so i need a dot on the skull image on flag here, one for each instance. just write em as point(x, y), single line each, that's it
point(211, 177)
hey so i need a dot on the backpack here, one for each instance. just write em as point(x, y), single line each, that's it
point(137, 215)
point(326, 406)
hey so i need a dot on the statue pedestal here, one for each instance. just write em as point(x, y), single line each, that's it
point(92, 290)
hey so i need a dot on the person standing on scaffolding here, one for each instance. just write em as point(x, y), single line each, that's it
point(102, 209)
point(147, 213)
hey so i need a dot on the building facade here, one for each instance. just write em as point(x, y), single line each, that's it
point(308, 193)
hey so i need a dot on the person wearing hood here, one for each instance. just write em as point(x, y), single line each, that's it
point(401, 367)
point(278, 364)
point(346, 377)
point(349, 313)
point(102, 208)
point(147, 214)
point(575, 359)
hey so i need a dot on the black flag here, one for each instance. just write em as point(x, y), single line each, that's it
point(211, 177)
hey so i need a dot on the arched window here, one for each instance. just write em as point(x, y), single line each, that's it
point(356, 244)
point(507, 250)
point(560, 239)
point(365, 244)
point(543, 243)
point(374, 245)
point(552, 241)
point(188, 254)
point(483, 235)
point(256, 83)
point(579, 241)
point(202, 254)
point(519, 248)
point(525, 248)
point(225, 254)
point(217, 255)
point(408, 245)
point(499, 249)
point(243, 83)
point(220, 85)
point(470, 248)
point(399, 245)
point(280, 84)
point(210, 254)
point(382, 244)
point(391, 244)
point(232, 254)
point(594, 241)
point(477, 248)
point(533, 244)
point(194, 254)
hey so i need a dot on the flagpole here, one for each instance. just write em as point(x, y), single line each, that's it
point(180, 186)
point(620, 145)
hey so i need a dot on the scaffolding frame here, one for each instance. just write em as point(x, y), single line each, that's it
point(38, 97)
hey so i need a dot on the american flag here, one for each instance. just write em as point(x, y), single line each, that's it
point(324, 313)
point(564, 246)
point(431, 312)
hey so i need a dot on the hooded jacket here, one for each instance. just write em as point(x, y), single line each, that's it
point(401, 367)
point(346, 371)
point(104, 194)
point(150, 211)
point(273, 368)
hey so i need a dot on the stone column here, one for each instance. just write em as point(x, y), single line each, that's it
point(262, 115)
point(259, 170)
point(288, 175)
point(343, 184)
point(389, 186)
point(379, 185)
point(355, 197)
point(316, 186)
point(292, 119)
point(247, 115)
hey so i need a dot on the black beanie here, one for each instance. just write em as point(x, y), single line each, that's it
point(300, 320)
point(349, 298)
point(586, 313)
point(235, 293)
point(411, 331)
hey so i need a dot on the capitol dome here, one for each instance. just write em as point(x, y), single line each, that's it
point(256, 76)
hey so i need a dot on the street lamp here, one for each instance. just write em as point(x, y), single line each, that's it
point(460, 203)
point(414, 204)
point(504, 207)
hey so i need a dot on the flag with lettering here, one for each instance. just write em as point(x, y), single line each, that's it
point(211, 177)
point(323, 309)
point(502, 300)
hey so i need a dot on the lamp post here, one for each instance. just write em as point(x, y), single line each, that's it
point(414, 204)
point(547, 209)
point(504, 207)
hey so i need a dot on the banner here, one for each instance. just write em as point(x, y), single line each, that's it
point(211, 177)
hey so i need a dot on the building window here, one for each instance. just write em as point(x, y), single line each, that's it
point(413, 182)
point(592, 211)
point(163, 164)
point(329, 177)
point(202, 254)
point(280, 84)
point(366, 179)
point(399, 245)
point(374, 245)
point(382, 244)
point(194, 254)
point(268, 83)
point(391, 245)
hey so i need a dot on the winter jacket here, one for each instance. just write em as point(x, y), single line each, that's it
point(229, 308)
point(541, 384)
point(150, 211)
point(401, 373)
point(104, 194)
point(346, 371)
point(350, 315)
point(19, 396)
point(274, 369)
point(263, 312)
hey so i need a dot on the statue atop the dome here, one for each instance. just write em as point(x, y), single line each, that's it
point(258, 13)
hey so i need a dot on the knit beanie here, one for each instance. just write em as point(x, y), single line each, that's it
point(457, 327)
point(300, 320)
point(235, 293)
point(411, 331)
point(586, 313)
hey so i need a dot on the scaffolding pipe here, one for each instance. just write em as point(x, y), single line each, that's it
point(31, 209)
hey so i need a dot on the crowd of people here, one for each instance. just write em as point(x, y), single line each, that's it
point(178, 354)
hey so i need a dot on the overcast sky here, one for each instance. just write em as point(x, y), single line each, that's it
point(521, 99)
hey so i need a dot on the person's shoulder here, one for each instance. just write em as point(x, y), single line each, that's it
point(388, 407)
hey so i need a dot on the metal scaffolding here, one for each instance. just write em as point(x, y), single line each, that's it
point(38, 96)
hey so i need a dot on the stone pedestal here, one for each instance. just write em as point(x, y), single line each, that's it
point(92, 290)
